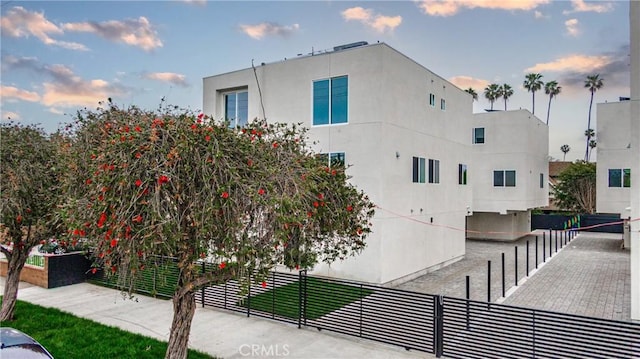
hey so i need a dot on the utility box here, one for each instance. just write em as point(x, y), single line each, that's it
point(626, 234)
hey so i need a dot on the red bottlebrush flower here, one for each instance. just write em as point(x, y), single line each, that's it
point(225, 195)
point(253, 132)
point(112, 167)
point(138, 154)
point(87, 224)
point(275, 145)
point(88, 181)
point(309, 214)
point(316, 204)
point(222, 265)
point(320, 196)
point(202, 255)
point(126, 129)
point(76, 232)
point(207, 138)
point(163, 179)
point(244, 130)
point(264, 284)
point(349, 208)
point(261, 191)
point(200, 116)
point(137, 219)
point(93, 156)
point(101, 255)
point(101, 198)
point(359, 231)
point(114, 269)
point(138, 183)
point(127, 232)
point(94, 270)
point(334, 172)
point(19, 218)
point(114, 242)
point(82, 233)
point(123, 138)
point(137, 129)
point(103, 218)
point(157, 122)
point(146, 191)
point(194, 126)
point(140, 254)
point(297, 267)
point(249, 163)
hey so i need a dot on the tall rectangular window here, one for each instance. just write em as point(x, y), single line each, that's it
point(478, 135)
point(236, 108)
point(434, 171)
point(419, 170)
point(443, 104)
point(504, 178)
point(542, 180)
point(620, 177)
point(462, 174)
point(330, 101)
point(432, 100)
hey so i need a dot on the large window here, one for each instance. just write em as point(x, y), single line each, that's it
point(462, 174)
point(419, 170)
point(434, 171)
point(620, 177)
point(333, 159)
point(478, 135)
point(504, 178)
point(236, 105)
point(330, 101)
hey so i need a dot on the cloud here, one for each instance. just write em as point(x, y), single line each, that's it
point(572, 70)
point(9, 116)
point(261, 30)
point(196, 2)
point(10, 92)
point(581, 6)
point(64, 88)
point(464, 82)
point(380, 23)
point(572, 27)
point(135, 32)
point(173, 78)
point(20, 22)
point(451, 7)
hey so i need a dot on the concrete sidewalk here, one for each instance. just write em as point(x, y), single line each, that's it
point(220, 333)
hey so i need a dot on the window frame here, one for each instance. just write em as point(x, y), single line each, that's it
point(622, 177)
point(434, 171)
point(478, 140)
point(418, 169)
point(443, 104)
point(332, 100)
point(432, 99)
point(504, 178)
point(233, 122)
point(462, 174)
point(330, 157)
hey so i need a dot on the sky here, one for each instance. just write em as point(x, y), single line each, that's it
point(61, 56)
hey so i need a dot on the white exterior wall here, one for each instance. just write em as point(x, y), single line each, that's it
point(500, 227)
point(634, 20)
point(388, 113)
point(614, 152)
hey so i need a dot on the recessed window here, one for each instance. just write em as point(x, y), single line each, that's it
point(462, 174)
point(542, 180)
point(330, 101)
point(419, 170)
point(504, 178)
point(432, 100)
point(434, 171)
point(478, 135)
point(443, 104)
point(620, 177)
point(236, 108)
point(333, 159)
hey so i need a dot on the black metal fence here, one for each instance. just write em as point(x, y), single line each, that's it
point(606, 223)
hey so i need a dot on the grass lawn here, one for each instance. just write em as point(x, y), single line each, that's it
point(67, 336)
point(323, 297)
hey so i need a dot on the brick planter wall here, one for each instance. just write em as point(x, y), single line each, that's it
point(59, 270)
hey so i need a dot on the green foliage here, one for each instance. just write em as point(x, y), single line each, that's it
point(323, 297)
point(576, 190)
point(67, 336)
point(172, 184)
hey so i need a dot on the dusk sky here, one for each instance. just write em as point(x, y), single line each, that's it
point(59, 56)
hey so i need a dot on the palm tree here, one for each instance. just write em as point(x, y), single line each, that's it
point(552, 89)
point(565, 149)
point(592, 145)
point(492, 92)
point(593, 83)
point(473, 93)
point(589, 134)
point(533, 83)
point(505, 92)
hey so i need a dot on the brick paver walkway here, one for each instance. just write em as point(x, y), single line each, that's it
point(589, 276)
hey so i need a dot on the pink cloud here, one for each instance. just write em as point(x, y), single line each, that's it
point(378, 22)
point(451, 7)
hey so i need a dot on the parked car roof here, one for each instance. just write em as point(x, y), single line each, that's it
point(16, 344)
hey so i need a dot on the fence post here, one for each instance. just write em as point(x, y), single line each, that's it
point(544, 247)
point(556, 241)
point(249, 298)
point(527, 266)
point(360, 324)
point(489, 282)
point(439, 325)
point(273, 296)
point(536, 252)
point(516, 264)
point(204, 268)
point(550, 246)
point(503, 275)
point(468, 297)
point(302, 314)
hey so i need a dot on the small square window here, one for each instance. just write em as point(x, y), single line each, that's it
point(478, 135)
point(615, 178)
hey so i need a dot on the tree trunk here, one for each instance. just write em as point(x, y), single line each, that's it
point(586, 153)
point(184, 307)
point(548, 110)
point(533, 100)
point(14, 267)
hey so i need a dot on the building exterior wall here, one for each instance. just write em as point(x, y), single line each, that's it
point(634, 20)
point(501, 227)
point(614, 152)
point(514, 140)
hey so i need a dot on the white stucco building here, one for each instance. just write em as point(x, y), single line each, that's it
point(634, 20)
point(408, 136)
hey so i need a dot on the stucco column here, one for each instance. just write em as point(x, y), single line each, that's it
point(634, 21)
